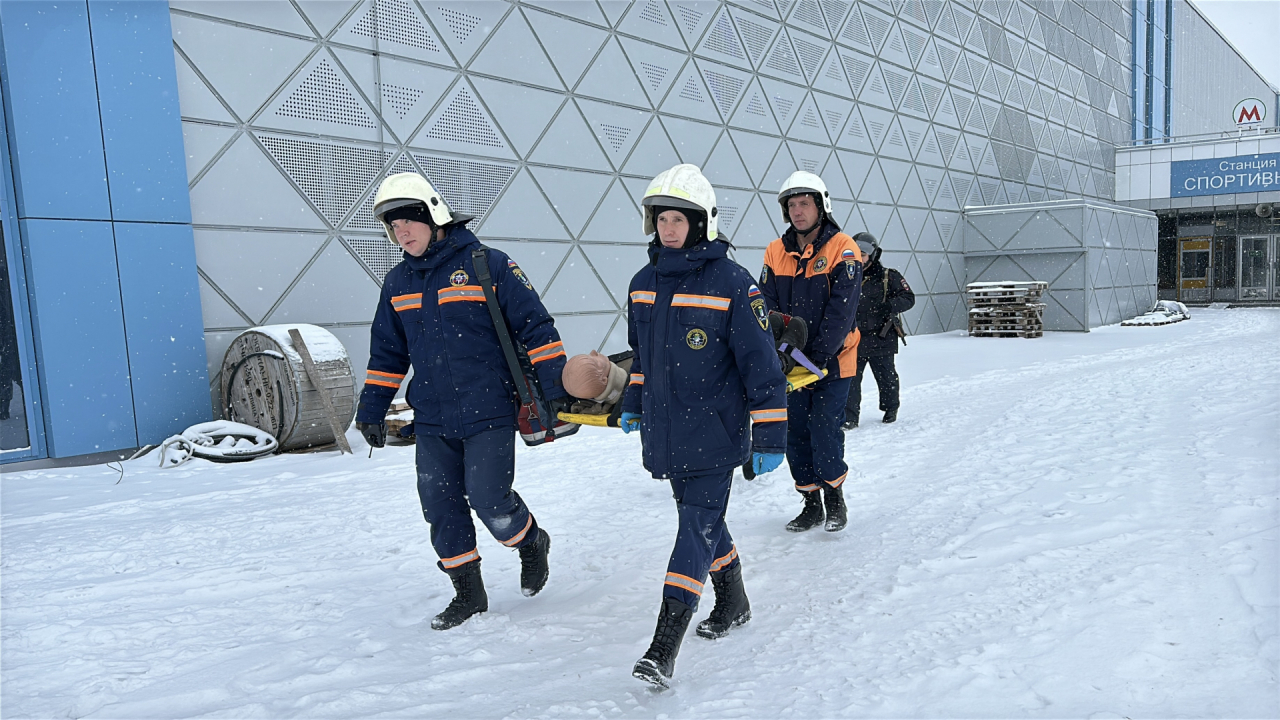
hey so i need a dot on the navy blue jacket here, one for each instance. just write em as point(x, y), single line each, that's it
point(705, 365)
point(432, 315)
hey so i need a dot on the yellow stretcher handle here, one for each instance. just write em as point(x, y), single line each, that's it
point(801, 376)
point(583, 419)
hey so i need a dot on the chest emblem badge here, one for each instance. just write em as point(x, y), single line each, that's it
point(820, 264)
point(458, 278)
point(696, 338)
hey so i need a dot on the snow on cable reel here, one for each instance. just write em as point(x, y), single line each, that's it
point(219, 441)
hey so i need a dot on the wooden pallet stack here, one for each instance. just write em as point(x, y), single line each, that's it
point(1006, 309)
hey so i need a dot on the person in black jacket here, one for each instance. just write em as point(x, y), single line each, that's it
point(885, 294)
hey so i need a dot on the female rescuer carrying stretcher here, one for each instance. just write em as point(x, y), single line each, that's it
point(704, 368)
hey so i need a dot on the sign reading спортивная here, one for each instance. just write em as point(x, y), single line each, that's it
point(1225, 176)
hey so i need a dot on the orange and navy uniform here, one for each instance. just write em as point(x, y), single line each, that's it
point(432, 316)
point(821, 284)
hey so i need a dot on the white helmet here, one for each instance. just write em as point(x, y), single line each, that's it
point(405, 189)
point(683, 186)
point(804, 183)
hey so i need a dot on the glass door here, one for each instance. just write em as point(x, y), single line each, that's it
point(1255, 270)
point(1275, 267)
point(14, 435)
point(1194, 269)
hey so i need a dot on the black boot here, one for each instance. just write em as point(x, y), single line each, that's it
point(470, 597)
point(659, 661)
point(732, 607)
point(837, 513)
point(850, 423)
point(811, 516)
point(890, 415)
point(533, 564)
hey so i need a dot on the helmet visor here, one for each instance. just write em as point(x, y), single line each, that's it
point(386, 206)
point(867, 248)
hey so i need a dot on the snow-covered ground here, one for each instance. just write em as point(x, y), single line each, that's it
point(1081, 525)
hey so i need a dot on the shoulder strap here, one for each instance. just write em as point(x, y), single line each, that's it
point(480, 263)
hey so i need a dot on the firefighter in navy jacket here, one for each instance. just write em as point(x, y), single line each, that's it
point(814, 271)
point(432, 316)
point(707, 393)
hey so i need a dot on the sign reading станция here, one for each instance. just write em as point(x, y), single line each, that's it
point(1225, 176)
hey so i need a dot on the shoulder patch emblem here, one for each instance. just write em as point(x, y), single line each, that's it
point(847, 255)
point(753, 292)
point(762, 315)
point(764, 275)
point(459, 278)
point(820, 264)
point(696, 338)
point(515, 270)
point(852, 269)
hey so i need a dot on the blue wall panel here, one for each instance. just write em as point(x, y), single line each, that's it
point(164, 328)
point(79, 336)
point(141, 122)
point(52, 98)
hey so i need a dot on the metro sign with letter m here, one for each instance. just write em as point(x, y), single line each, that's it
point(1250, 111)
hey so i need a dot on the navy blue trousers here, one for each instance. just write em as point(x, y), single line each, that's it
point(815, 440)
point(886, 380)
point(703, 543)
point(474, 473)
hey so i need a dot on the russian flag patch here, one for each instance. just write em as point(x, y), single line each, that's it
point(753, 291)
point(848, 255)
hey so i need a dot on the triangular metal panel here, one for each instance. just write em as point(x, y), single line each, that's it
point(731, 205)
point(618, 219)
point(653, 154)
point(392, 27)
point(784, 99)
point(335, 288)
point(656, 67)
point(540, 260)
point(917, 43)
point(614, 10)
point(692, 140)
point(576, 288)
point(930, 239)
point(464, 25)
point(916, 131)
point(811, 52)
point(875, 189)
point(521, 112)
point(755, 112)
point(857, 68)
point(809, 124)
point(610, 78)
point(216, 312)
point(963, 183)
point(833, 176)
point(570, 45)
point(895, 235)
point(460, 124)
point(585, 12)
point(616, 265)
point(757, 153)
point(591, 331)
point(692, 18)
point(896, 80)
point(932, 147)
point(616, 338)
point(202, 143)
point(690, 98)
point(945, 198)
point(255, 287)
point(876, 91)
point(852, 222)
point(616, 128)
point(271, 14)
point(895, 49)
point(895, 174)
point(806, 14)
point(363, 219)
point(333, 176)
point(782, 168)
point(758, 225)
point(929, 266)
point(913, 193)
point(835, 12)
point(831, 78)
point(854, 33)
point(724, 167)
point(931, 180)
point(856, 166)
point(652, 20)
point(913, 221)
point(856, 135)
point(244, 67)
point(326, 14)
point(523, 212)
point(757, 34)
point(895, 142)
point(878, 25)
point(834, 111)
point(946, 25)
point(407, 91)
point(725, 84)
point(514, 53)
point(781, 61)
point(570, 142)
point(721, 42)
point(244, 188)
point(931, 62)
point(964, 103)
point(809, 157)
point(195, 98)
point(573, 193)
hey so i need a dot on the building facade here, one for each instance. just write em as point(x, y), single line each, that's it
point(546, 118)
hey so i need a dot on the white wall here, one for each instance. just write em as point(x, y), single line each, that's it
point(1209, 76)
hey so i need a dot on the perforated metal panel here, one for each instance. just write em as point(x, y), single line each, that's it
point(469, 186)
point(395, 21)
point(323, 96)
point(463, 121)
point(332, 176)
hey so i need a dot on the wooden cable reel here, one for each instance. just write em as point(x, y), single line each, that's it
point(265, 384)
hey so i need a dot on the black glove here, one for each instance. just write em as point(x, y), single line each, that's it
point(820, 360)
point(374, 433)
point(562, 404)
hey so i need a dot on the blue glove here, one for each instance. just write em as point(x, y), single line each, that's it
point(630, 421)
point(762, 463)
